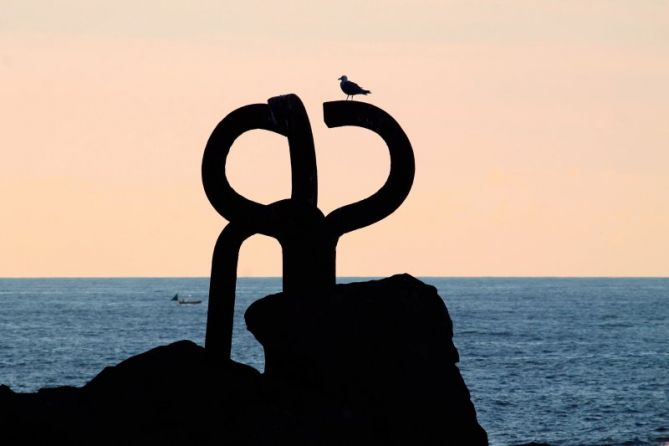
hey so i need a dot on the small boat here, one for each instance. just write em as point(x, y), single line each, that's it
point(181, 301)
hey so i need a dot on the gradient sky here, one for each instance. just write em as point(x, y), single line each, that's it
point(540, 128)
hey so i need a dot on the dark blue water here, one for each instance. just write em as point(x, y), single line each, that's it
point(561, 361)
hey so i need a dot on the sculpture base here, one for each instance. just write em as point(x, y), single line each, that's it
point(380, 352)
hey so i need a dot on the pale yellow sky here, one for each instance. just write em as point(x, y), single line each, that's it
point(540, 131)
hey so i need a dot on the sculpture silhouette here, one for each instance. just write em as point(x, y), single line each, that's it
point(362, 363)
point(308, 238)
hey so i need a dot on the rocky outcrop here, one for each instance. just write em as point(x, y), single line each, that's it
point(382, 350)
point(370, 363)
point(172, 394)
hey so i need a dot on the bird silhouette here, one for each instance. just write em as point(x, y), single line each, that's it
point(351, 88)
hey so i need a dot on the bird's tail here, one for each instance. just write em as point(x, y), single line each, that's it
point(366, 92)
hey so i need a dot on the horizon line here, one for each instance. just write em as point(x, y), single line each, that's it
point(349, 277)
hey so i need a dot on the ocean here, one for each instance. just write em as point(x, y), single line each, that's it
point(563, 361)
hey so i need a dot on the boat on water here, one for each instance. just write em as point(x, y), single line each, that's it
point(188, 301)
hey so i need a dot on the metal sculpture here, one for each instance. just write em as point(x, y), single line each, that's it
point(308, 238)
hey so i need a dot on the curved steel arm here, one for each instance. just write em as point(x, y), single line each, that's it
point(220, 193)
point(402, 165)
point(290, 221)
point(222, 288)
point(284, 115)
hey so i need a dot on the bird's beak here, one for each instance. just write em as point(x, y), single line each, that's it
point(339, 79)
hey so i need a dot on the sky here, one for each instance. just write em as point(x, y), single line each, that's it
point(540, 131)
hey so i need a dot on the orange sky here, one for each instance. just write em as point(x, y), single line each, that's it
point(540, 131)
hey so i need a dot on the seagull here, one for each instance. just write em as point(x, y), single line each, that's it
point(351, 88)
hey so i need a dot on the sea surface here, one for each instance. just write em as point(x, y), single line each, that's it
point(563, 361)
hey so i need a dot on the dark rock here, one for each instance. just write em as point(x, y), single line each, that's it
point(172, 394)
point(175, 393)
point(372, 363)
point(381, 351)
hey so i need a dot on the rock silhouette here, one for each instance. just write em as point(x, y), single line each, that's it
point(371, 363)
point(382, 350)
